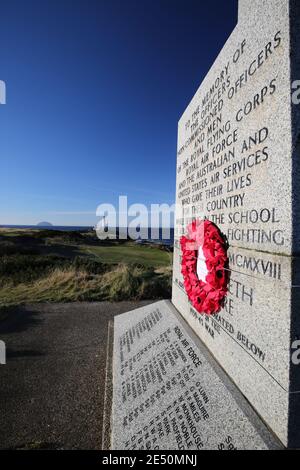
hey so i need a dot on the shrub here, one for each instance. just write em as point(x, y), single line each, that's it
point(26, 268)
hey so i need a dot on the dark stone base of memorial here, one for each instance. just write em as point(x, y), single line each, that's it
point(165, 391)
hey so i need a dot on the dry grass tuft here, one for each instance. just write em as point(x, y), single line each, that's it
point(121, 282)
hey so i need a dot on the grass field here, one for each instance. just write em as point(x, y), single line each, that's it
point(138, 254)
point(52, 266)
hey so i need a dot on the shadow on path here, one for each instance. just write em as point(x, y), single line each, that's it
point(19, 319)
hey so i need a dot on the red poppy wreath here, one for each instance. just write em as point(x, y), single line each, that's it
point(206, 284)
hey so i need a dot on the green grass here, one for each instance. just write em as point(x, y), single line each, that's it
point(11, 233)
point(131, 254)
point(120, 283)
point(46, 266)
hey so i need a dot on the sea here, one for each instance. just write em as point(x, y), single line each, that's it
point(78, 228)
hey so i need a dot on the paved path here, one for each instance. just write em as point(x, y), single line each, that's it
point(52, 387)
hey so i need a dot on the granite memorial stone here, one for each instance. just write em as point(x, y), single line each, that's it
point(238, 166)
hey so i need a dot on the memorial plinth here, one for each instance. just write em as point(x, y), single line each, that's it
point(170, 394)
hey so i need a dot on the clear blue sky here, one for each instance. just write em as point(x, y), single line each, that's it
point(95, 89)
